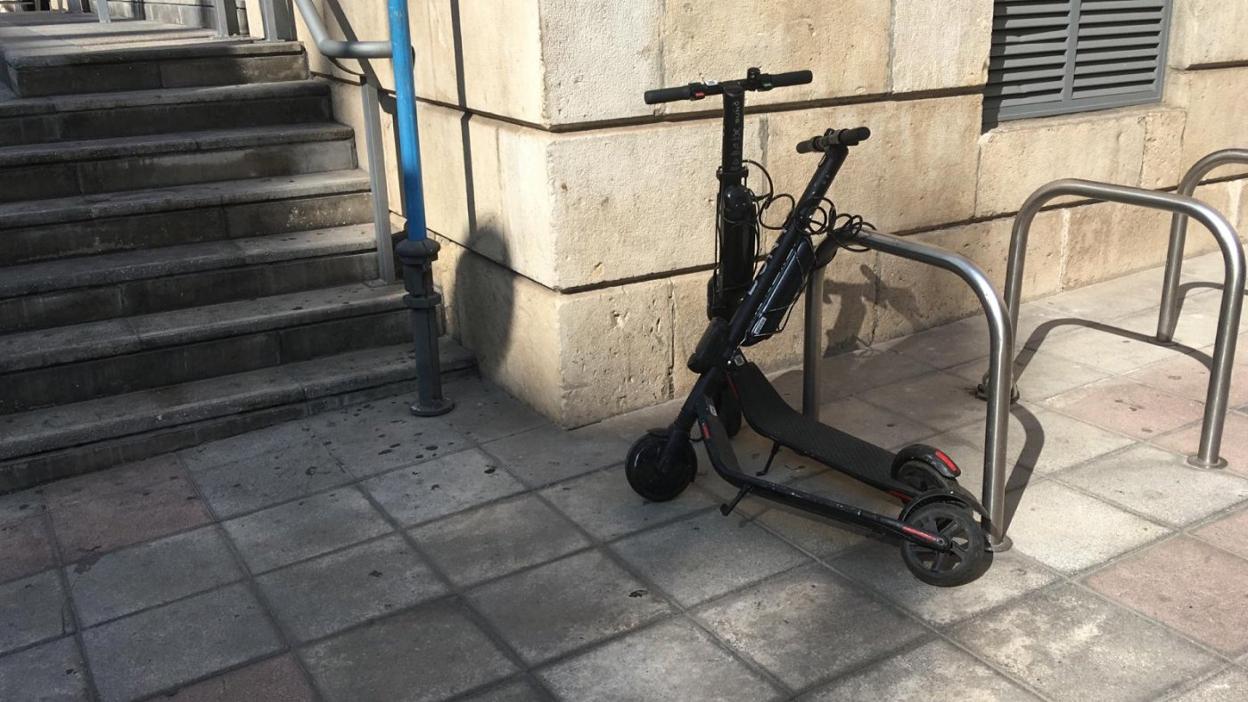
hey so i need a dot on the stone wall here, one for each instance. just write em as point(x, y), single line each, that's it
point(578, 221)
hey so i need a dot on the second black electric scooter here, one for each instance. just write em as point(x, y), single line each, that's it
point(942, 543)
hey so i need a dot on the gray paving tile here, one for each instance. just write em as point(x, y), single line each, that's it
point(946, 345)
point(1040, 375)
point(808, 625)
point(379, 436)
point(547, 454)
point(936, 670)
point(568, 604)
point(485, 412)
point(1070, 531)
point(603, 504)
point(318, 597)
point(304, 528)
point(706, 556)
point(286, 436)
point(1159, 484)
point(518, 691)
point(879, 567)
point(1109, 299)
point(1038, 439)
point(1105, 350)
point(1070, 644)
point(32, 609)
point(252, 483)
point(939, 400)
point(498, 539)
point(21, 505)
point(155, 650)
point(1227, 686)
point(50, 672)
point(150, 574)
point(27, 547)
point(440, 487)
point(277, 679)
point(673, 661)
point(376, 662)
point(860, 370)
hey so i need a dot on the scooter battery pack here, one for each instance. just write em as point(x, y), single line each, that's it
point(782, 294)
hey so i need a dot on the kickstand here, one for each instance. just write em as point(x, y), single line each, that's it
point(727, 509)
point(775, 448)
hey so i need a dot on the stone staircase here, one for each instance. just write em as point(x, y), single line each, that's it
point(186, 252)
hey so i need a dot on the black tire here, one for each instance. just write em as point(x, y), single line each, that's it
point(922, 477)
point(970, 557)
point(729, 409)
point(644, 475)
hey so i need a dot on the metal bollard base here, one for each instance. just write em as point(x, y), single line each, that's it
point(1198, 462)
point(422, 300)
point(1005, 544)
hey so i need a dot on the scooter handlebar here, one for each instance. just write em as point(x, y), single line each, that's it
point(833, 137)
point(756, 80)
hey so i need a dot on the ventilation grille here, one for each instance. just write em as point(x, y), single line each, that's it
point(1052, 57)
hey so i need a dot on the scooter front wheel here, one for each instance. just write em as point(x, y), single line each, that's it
point(969, 557)
point(646, 475)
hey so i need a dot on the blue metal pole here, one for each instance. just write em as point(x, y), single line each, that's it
point(417, 252)
point(405, 117)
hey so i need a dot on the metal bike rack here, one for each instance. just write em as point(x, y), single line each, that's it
point(1183, 206)
point(1000, 358)
point(1169, 318)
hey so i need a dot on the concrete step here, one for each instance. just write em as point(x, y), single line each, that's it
point(93, 288)
point(40, 72)
point(84, 361)
point(162, 111)
point(107, 222)
point(66, 169)
point(58, 442)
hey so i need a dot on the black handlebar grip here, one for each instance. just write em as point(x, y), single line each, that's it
point(850, 137)
point(779, 80)
point(809, 145)
point(684, 92)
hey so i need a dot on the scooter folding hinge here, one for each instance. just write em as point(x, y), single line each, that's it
point(727, 509)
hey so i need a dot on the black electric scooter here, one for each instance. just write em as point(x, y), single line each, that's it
point(942, 543)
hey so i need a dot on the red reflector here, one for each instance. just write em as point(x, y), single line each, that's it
point(944, 458)
point(919, 533)
point(900, 495)
point(706, 432)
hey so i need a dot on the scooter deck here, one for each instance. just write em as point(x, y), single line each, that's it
point(772, 417)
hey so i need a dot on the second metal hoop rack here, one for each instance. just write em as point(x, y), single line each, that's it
point(1183, 206)
point(1000, 356)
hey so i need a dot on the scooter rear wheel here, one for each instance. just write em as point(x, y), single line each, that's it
point(921, 477)
point(970, 557)
point(645, 476)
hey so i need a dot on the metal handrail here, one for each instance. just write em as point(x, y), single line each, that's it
point(1169, 317)
point(1232, 294)
point(370, 99)
point(1000, 359)
point(333, 48)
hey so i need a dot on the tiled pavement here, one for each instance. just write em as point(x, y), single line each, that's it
point(369, 555)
